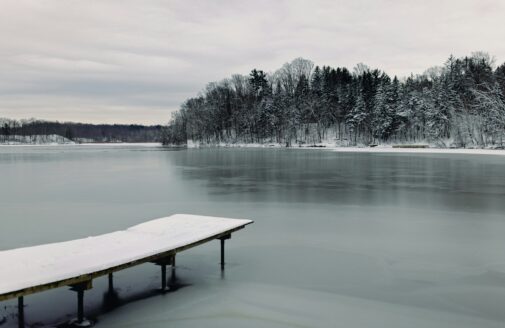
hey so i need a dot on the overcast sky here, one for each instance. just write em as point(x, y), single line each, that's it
point(136, 61)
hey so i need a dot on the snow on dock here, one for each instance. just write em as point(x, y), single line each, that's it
point(32, 269)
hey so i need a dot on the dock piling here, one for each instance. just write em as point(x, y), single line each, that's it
point(111, 282)
point(163, 276)
point(222, 239)
point(222, 254)
point(80, 288)
point(163, 262)
point(21, 312)
point(80, 306)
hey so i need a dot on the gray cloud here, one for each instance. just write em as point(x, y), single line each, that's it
point(136, 61)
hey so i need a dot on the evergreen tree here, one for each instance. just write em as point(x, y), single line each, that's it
point(461, 101)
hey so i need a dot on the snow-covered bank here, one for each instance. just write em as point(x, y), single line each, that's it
point(420, 150)
point(51, 142)
point(119, 144)
point(51, 139)
point(354, 149)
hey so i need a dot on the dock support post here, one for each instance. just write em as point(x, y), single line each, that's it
point(222, 254)
point(163, 276)
point(172, 275)
point(222, 239)
point(111, 282)
point(21, 312)
point(80, 288)
point(80, 306)
point(163, 262)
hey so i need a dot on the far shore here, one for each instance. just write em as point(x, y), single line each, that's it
point(142, 144)
point(363, 149)
point(327, 147)
point(420, 150)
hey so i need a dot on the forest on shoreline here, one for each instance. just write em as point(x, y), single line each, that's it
point(459, 104)
point(29, 131)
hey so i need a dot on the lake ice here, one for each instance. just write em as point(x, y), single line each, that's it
point(340, 239)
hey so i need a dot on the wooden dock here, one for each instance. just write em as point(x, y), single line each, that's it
point(77, 262)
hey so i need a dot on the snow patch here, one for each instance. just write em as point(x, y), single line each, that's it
point(51, 139)
point(382, 148)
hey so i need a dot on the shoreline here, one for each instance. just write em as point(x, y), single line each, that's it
point(385, 149)
point(379, 149)
point(108, 144)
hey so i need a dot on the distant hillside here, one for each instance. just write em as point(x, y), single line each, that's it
point(14, 130)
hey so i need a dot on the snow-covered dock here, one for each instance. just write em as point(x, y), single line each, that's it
point(76, 263)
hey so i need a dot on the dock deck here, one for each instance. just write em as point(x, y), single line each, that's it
point(77, 262)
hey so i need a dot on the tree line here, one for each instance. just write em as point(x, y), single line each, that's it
point(80, 131)
point(460, 104)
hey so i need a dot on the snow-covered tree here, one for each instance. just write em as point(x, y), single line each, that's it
point(460, 102)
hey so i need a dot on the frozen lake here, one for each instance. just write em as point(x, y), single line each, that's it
point(339, 240)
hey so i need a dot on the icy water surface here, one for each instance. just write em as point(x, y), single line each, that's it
point(340, 239)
